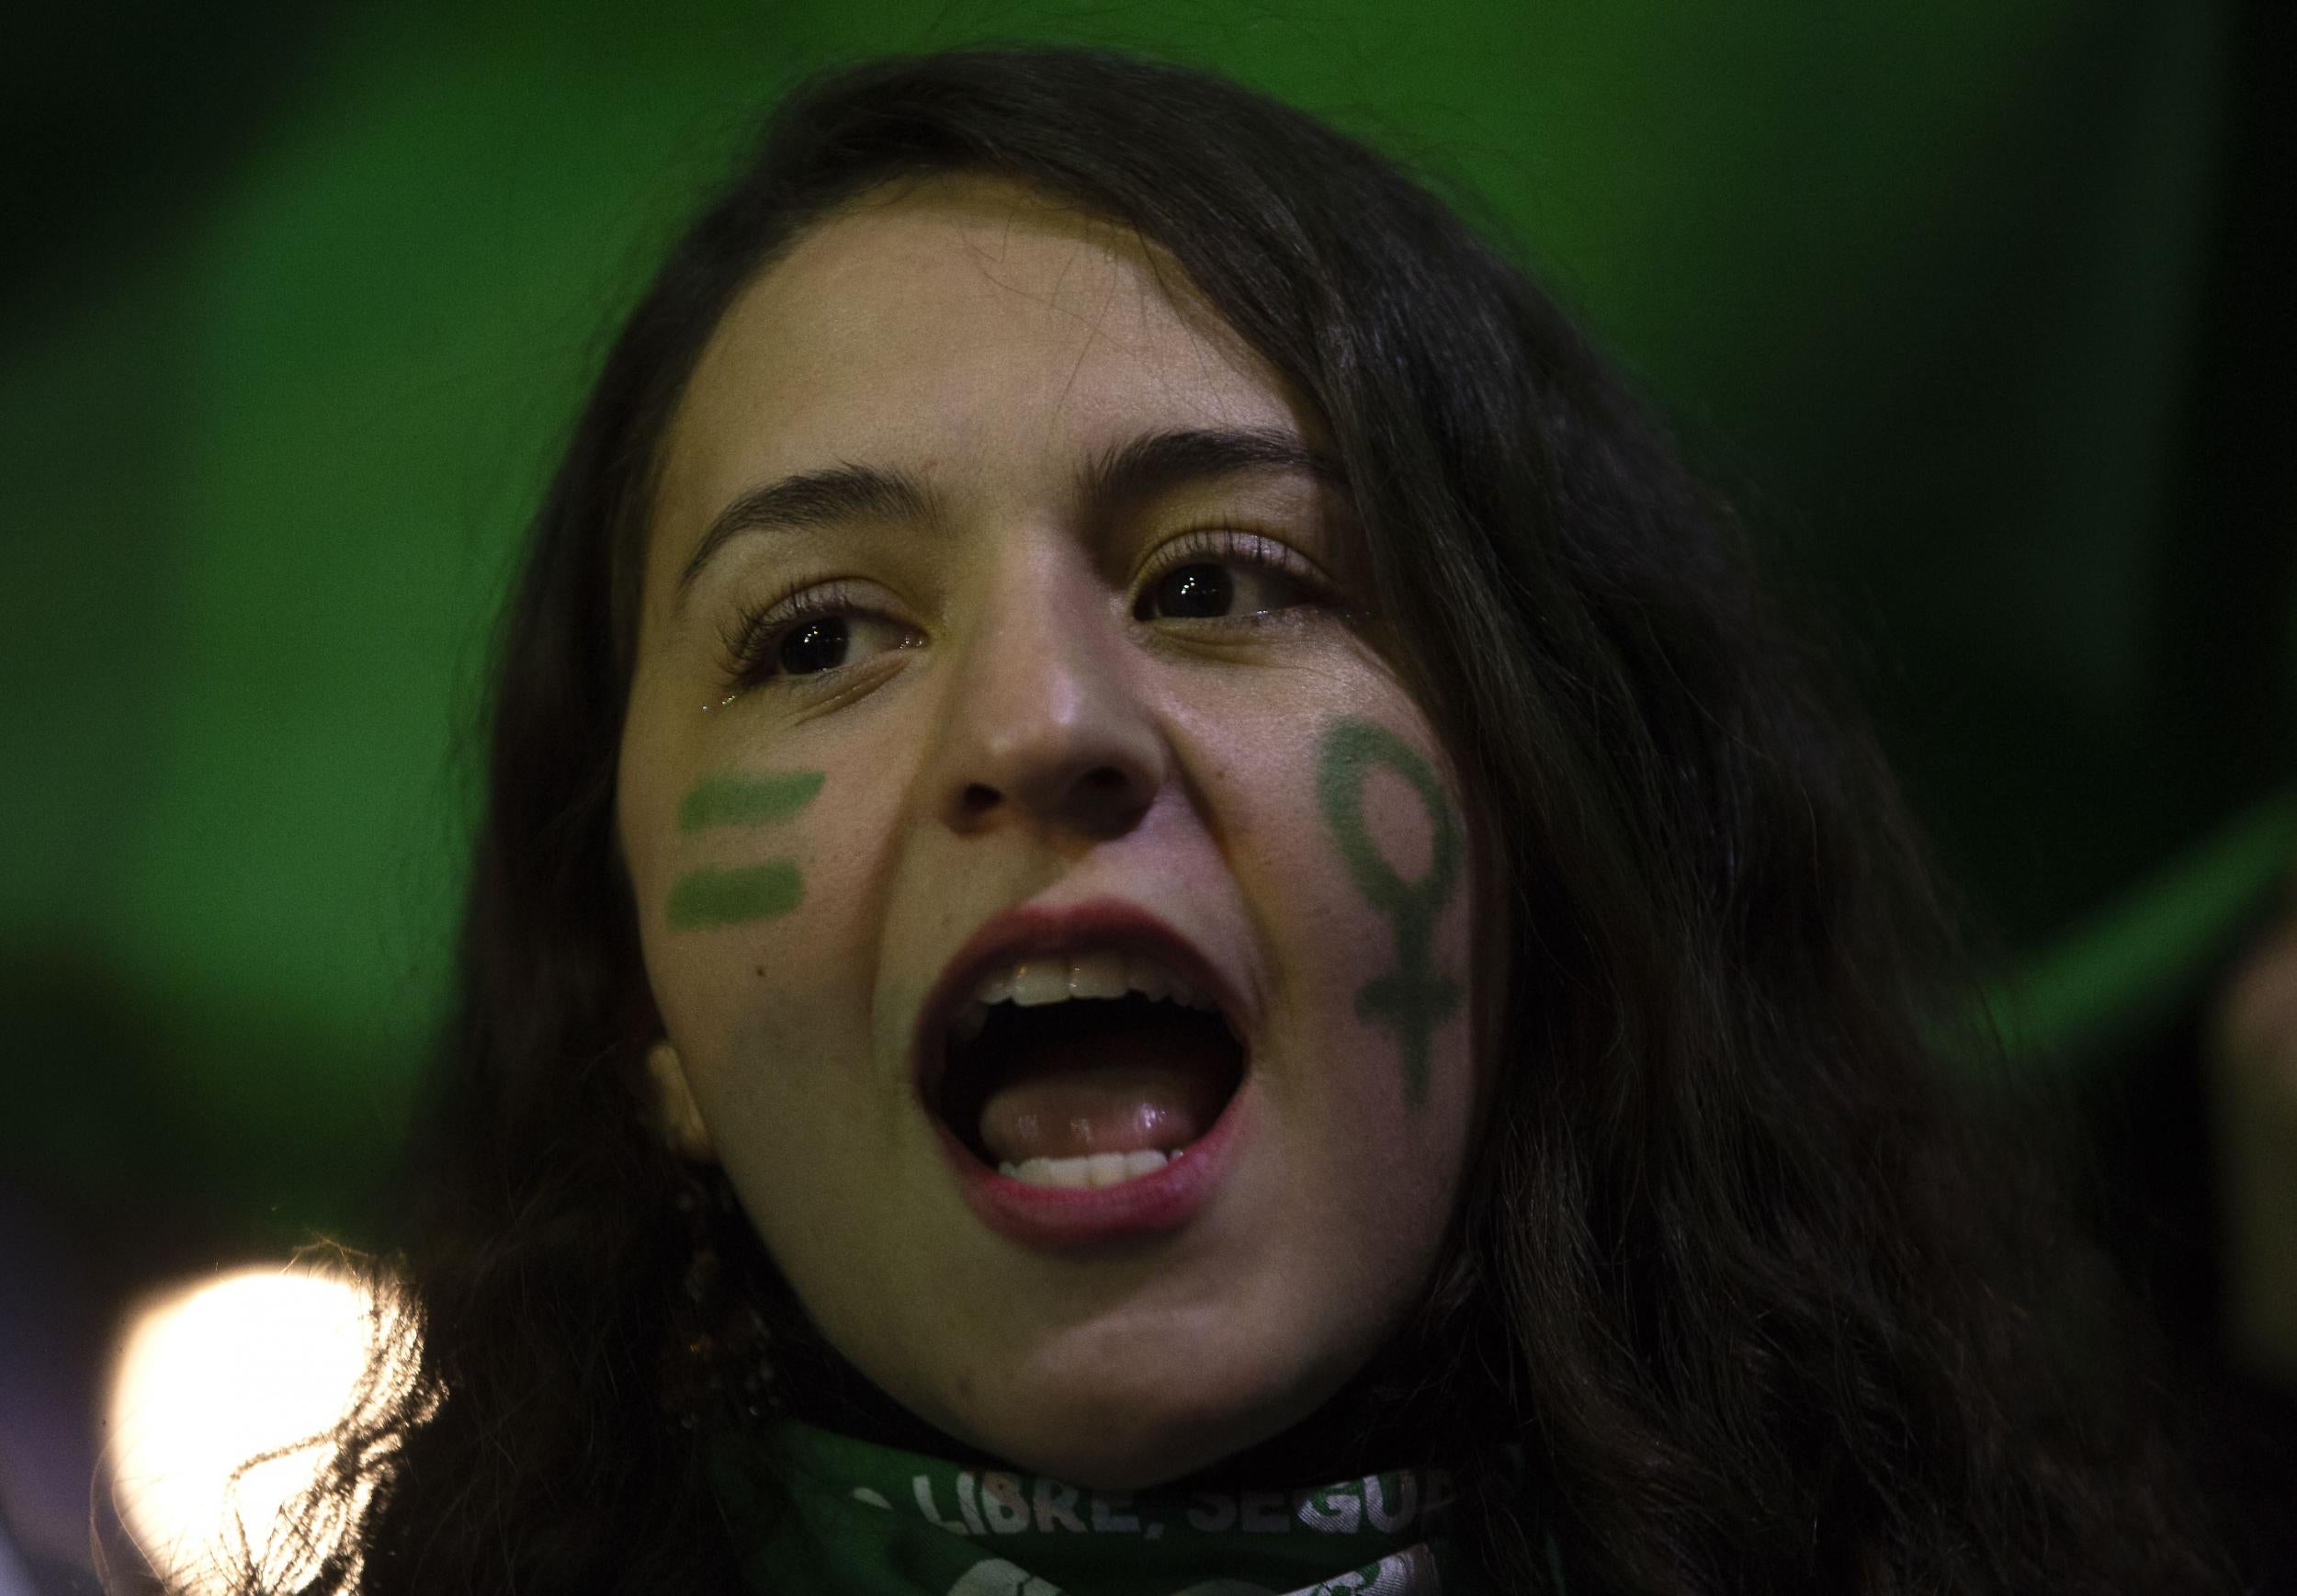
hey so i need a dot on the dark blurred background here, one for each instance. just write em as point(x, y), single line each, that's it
point(1979, 308)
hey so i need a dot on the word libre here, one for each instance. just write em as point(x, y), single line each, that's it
point(994, 1503)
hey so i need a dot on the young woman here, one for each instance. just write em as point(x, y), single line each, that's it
point(1158, 910)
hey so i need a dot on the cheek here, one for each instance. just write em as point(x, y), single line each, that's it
point(1362, 889)
point(752, 903)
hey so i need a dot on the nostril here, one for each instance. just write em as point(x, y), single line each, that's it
point(1106, 781)
point(1105, 800)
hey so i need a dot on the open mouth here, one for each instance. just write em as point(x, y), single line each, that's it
point(1084, 1069)
point(1087, 1072)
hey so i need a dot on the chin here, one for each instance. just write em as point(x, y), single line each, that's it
point(1114, 1438)
point(1092, 1452)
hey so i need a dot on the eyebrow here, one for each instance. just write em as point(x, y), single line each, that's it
point(1138, 469)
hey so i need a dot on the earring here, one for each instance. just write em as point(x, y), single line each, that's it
point(721, 1364)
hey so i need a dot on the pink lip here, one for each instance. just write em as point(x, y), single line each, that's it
point(1060, 1215)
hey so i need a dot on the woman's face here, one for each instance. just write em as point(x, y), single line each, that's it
point(991, 635)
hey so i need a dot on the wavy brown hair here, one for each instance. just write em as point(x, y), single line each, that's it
point(1765, 1307)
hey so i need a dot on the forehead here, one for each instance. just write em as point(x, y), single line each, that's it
point(968, 328)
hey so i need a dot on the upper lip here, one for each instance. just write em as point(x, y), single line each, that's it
point(1095, 925)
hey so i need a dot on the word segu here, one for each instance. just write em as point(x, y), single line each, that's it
point(1412, 1000)
point(715, 895)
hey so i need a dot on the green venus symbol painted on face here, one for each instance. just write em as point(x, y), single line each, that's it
point(1412, 1000)
point(720, 895)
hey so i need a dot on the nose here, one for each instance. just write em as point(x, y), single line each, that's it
point(1043, 724)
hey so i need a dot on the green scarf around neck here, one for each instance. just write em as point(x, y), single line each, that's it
point(820, 1513)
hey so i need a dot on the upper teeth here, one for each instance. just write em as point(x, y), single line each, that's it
point(1057, 978)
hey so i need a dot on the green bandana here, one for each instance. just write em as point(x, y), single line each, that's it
point(820, 1512)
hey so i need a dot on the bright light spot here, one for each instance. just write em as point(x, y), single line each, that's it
point(222, 1372)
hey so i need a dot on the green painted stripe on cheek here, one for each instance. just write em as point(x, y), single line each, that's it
point(738, 799)
point(715, 896)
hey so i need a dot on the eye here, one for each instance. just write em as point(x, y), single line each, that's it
point(1219, 577)
point(812, 634)
point(1226, 575)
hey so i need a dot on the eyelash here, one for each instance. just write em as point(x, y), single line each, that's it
point(755, 638)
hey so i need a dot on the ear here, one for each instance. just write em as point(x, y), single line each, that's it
point(675, 1114)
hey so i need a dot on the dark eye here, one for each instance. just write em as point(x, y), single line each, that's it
point(821, 643)
point(818, 645)
point(1250, 578)
point(1195, 591)
point(814, 634)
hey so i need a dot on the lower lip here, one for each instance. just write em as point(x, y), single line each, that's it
point(1059, 1217)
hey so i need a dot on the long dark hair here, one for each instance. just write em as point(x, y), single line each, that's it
point(1763, 1308)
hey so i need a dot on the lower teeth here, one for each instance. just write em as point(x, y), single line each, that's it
point(1106, 1169)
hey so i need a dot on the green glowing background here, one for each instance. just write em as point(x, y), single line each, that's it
point(1958, 298)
